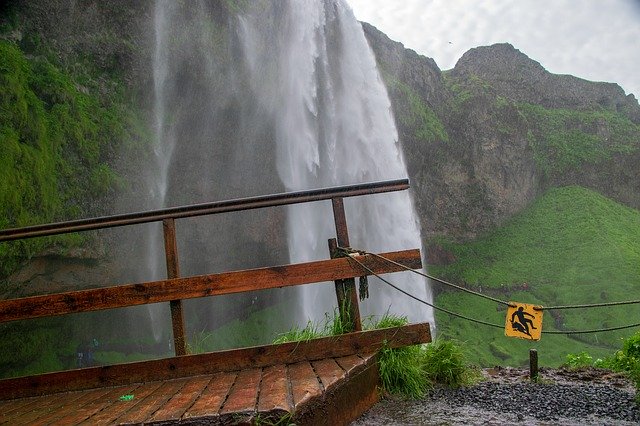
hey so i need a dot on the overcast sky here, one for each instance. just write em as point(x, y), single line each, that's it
point(596, 40)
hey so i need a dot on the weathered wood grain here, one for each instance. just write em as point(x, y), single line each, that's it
point(190, 365)
point(201, 286)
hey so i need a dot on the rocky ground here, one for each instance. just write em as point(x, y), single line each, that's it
point(561, 397)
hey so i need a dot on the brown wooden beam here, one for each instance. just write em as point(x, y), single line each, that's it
point(173, 271)
point(202, 286)
point(366, 342)
point(345, 288)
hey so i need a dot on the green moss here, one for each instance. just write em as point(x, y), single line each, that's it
point(564, 139)
point(464, 90)
point(416, 114)
point(57, 140)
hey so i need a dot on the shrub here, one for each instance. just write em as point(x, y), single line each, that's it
point(444, 363)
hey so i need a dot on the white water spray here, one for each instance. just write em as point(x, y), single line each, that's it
point(292, 76)
point(334, 127)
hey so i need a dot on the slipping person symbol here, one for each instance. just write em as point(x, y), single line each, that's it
point(523, 323)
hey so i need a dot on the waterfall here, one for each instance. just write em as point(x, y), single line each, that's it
point(274, 96)
point(334, 126)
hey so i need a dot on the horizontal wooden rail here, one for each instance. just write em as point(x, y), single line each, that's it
point(204, 209)
point(366, 342)
point(202, 286)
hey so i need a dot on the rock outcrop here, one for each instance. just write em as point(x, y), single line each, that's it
point(484, 139)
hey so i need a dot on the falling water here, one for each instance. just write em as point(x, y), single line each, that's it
point(334, 126)
point(284, 95)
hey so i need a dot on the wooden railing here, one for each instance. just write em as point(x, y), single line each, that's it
point(174, 289)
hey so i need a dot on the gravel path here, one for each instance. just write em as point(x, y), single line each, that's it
point(585, 397)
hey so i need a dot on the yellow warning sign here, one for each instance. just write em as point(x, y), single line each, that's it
point(523, 321)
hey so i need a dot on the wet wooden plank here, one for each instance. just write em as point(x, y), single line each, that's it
point(8, 406)
point(65, 407)
point(209, 363)
point(275, 393)
point(243, 396)
point(89, 407)
point(202, 286)
point(179, 403)
point(304, 383)
point(212, 397)
point(348, 363)
point(149, 405)
point(40, 406)
point(117, 407)
point(329, 372)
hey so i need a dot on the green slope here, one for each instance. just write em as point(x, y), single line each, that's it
point(572, 246)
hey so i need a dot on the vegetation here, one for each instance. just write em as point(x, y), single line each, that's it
point(408, 371)
point(415, 113)
point(626, 360)
point(572, 246)
point(565, 139)
point(57, 141)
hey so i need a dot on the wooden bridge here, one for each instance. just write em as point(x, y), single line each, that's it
point(330, 380)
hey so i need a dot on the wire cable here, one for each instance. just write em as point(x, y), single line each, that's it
point(540, 308)
point(349, 253)
point(591, 305)
point(363, 266)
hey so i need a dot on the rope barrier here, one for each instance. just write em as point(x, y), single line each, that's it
point(592, 305)
point(363, 266)
point(349, 252)
point(622, 327)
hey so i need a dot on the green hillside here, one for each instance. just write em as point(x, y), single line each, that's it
point(572, 246)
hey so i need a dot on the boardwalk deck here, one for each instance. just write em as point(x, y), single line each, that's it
point(329, 391)
point(324, 381)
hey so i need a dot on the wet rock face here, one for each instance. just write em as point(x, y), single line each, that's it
point(483, 167)
point(517, 77)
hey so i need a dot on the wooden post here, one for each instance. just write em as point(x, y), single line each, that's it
point(173, 271)
point(533, 365)
point(345, 289)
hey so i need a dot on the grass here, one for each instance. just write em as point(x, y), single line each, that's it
point(409, 371)
point(626, 360)
point(565, 139)
point(572, 246)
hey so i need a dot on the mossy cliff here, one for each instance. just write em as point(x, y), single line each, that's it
point(526, 184)
point(483, 140)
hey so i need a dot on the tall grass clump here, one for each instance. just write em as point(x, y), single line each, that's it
point(444, 362)
point(402, 369)
point(409, 371)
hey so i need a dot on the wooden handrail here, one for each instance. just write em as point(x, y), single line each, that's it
point(174, 289)
point(202, 286)
point(215, 207)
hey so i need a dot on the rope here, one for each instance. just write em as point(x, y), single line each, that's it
point(622, 327)
point(593, 305)
point(475, 293)
point(348, 252)
point(363, 266)
point(540, 308)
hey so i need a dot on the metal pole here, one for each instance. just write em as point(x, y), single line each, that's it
point(192, 210)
